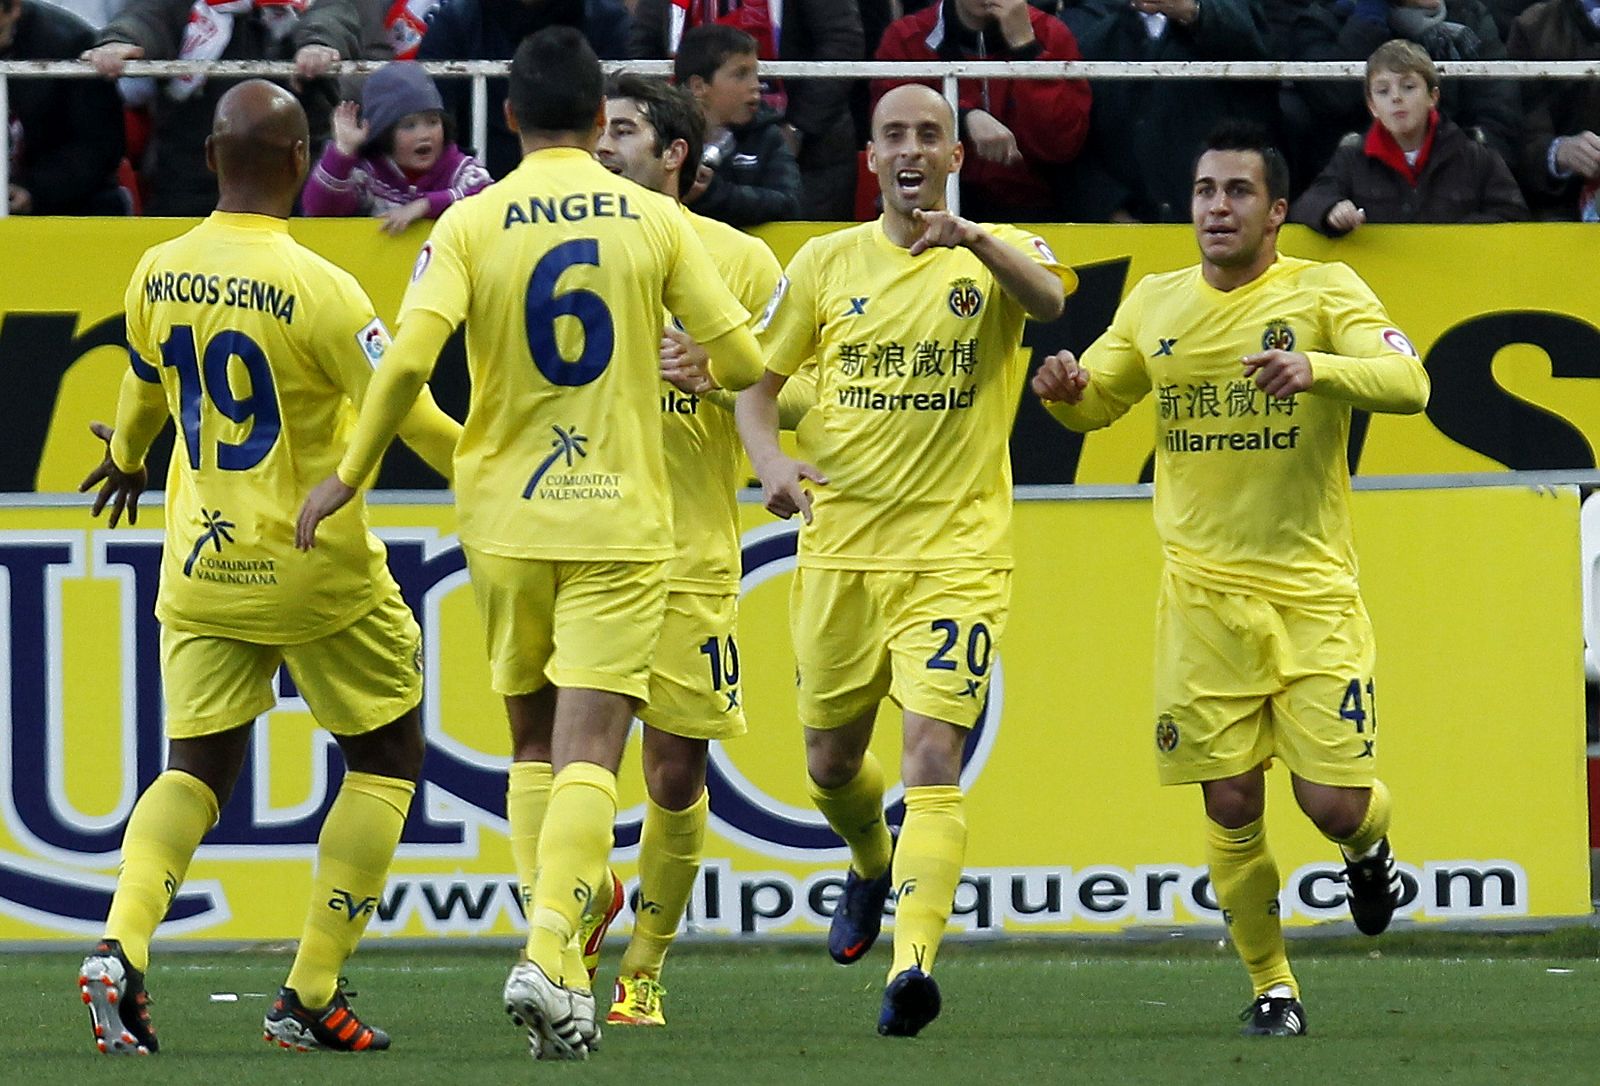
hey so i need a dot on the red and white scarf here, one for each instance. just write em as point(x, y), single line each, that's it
point(210, 29)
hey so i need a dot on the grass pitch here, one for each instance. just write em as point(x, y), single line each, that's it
point(1415, 1007)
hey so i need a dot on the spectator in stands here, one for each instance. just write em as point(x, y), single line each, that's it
point(1018, 133)
point(1146, 133)
point(1505, 13)
point(315, 36)
point(1559, 155)
point(491, 30)
point(96, 13)
point(66, 134)
point(1414, 165)
point(397, 159)
point(747, 173)
point(1446, 30)
point(816, 112)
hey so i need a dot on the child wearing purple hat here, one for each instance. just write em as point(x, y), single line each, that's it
point(394, 158)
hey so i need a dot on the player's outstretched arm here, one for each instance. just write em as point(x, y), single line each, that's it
point(783, 478)
point(120, 489)
point(1036, 288)
point(735, 358)
point(431, 434)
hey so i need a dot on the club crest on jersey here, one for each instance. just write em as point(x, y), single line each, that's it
point(965, 298)
point(1396, 340)
point(374, 340)
point(1278, 337)
point(1166, 733)
point(424, 258)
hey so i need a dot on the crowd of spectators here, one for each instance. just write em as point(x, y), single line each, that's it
point(1038, 150)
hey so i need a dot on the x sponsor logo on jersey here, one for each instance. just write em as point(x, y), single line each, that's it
point(858, 307)
point(1166, 346)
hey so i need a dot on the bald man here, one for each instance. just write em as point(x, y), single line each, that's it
point(260, 351)
point(904, 576)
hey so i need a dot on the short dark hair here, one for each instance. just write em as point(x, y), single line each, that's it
point(706, 48)
point(556, 82)
point(1249, 136)
point(670, 111)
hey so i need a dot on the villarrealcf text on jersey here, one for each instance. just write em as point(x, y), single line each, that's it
point(257, 347)
point(1252, 492)
point(919, 371)
point(702, 441)
point(560, 271)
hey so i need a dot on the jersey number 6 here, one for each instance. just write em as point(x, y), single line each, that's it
point(543, 305)
point(260, 407)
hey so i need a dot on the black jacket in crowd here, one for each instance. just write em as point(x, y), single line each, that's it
point(758, 179)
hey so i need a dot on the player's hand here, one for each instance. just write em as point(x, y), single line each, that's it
point(993, 141)
point(942, 229)
point(109, 59)
point(314, 60)
point(702, 181)
point(396, 219)
point(327, 499)
point(1345, 216)
point(783, 487)
point(349, 130)
point(119, 488)
point(1579, 154)
point(684, 363)
point(1280, 374)
point(1060, 379)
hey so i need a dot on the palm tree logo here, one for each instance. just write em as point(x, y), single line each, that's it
point(216, 533)
point(566, 444)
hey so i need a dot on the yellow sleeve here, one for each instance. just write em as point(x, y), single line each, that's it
point(795, 400)
point(1038, 250)
point(1118, 378)
point(1372, 366)
point(141, 402)
point(734, 358)
point(790, 337)
point(393, 393)
point(440, 280)
point(432, 434)
point(695, 293)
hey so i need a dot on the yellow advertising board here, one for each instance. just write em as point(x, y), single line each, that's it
point(1513, 354)
point(1473, 592)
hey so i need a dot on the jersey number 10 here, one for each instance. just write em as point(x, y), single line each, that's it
point(259, 408)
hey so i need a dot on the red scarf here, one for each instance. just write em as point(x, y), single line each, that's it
point(1383, 147)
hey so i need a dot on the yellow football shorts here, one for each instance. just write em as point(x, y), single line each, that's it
point(1240, 679)
point(926, 638)
point(694, 677)
point(354, 681)
point(581, 625)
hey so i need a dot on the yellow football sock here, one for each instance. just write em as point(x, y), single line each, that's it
point(855, 811)
point(527, 799)
point(166, 826)
point(1244, 878)
point(1374, 826)
point(927, 869)
point(573, 850)
point(669, 860)
point(354, 851)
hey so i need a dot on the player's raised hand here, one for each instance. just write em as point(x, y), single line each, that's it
point(684, 363)
point(108, 59)
point(1280, 374)
point(943, 229)
point(120, 488)
point(327, 499)
point(1061, 379)
point(783, 482)
point(349, 130)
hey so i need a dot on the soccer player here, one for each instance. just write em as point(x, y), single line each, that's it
point(653, 136)
point(259, 349)
point(1263, 646)
point(561, 271)
point(904, 578)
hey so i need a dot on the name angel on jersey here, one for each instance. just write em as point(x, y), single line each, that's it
point(1187, 441)
point(236, 291)
point(573, 207)
point(945, 399)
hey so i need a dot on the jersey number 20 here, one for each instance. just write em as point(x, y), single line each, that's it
point(543, 305)
point(207, 375)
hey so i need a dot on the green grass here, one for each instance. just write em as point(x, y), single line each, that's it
point(1426, 1007)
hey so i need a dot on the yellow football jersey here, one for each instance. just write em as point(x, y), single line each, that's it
point(257, 348)
point(561, 271)
point(1252, 492)
point(918, 375)
point(701, 440)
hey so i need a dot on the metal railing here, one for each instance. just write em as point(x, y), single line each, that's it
point(947, 72)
